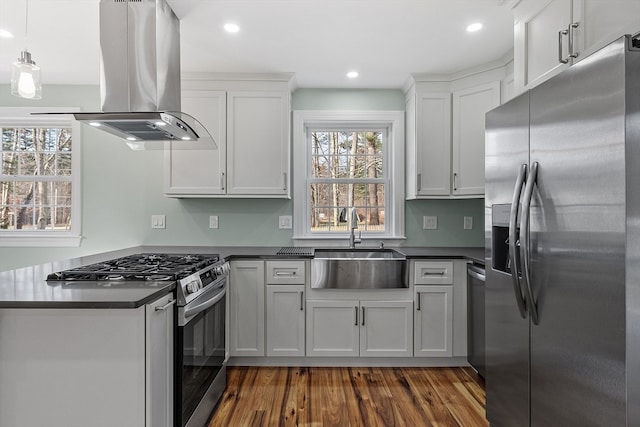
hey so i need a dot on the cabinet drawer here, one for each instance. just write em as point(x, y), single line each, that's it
point(285, 272)
point(433, 273)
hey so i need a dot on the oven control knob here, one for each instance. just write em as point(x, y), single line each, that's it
point(192, 287)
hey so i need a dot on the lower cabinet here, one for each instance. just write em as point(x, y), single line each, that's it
point(246, 308)
point(87, 367)
point(285, 320)
point(434, 321)
point(359, 328)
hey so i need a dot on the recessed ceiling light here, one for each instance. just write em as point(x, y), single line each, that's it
point(130, 138)
point(231, 27)
point(186, 138)
point(5, 34)
point(352, 74)
point(474, 27)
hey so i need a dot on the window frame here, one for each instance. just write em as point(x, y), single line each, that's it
point(21, 117)
point(392, 122)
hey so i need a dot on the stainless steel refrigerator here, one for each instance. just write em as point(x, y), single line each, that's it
point(562, 217)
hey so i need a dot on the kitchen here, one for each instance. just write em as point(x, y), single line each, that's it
point(242, 222)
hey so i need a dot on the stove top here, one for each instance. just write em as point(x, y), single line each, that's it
point(145, 266)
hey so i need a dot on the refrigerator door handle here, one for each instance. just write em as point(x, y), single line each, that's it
point(524, 240)
point(513, 238)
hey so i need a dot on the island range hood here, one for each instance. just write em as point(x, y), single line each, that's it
point(140, 75)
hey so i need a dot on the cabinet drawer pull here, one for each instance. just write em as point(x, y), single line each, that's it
point(433, 273)
point(455, 181)
point(418, 298)
point(301, 300)
point(285, 273)
point(222, 181)
point(355, 309)
point(419, 182)
point(285, 181)
point(362, 317)
point(167, 305)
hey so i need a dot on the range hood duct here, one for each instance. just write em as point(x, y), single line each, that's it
point(140, 75)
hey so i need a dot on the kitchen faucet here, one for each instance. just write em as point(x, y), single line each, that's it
point(353, 240)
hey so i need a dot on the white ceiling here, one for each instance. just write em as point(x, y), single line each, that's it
point(318, 40)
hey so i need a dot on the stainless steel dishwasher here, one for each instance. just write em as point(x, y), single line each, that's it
point(475, 317)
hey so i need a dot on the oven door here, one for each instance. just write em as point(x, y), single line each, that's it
point(200, 356)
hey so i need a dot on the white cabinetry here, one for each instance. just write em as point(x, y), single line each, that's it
point(285, 308)
point(434, 321)
point(359, 328)
point(469, 109)
point(429, 144)
point(445, 136)
point(551, 35)
point(250, 122)
point(440, 318)
point(87, 367)
point(246, 308)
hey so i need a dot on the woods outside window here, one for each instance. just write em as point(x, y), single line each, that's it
point(39, 190)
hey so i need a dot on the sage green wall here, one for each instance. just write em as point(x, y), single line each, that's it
point(122, 188)
point(111, 182)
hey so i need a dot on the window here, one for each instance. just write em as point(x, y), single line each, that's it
point(346, 160)
point(39, 191)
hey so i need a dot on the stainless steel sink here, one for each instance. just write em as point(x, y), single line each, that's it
point(359, 269)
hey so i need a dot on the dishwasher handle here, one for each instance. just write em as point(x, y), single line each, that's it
point(476, 272)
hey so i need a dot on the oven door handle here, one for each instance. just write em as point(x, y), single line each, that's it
point(191, 310)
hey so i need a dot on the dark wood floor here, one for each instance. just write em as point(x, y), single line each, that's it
point(367, 397)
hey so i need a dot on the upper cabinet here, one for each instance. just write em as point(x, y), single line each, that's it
point(445, 133)
point(250, 122)
point(552, 35)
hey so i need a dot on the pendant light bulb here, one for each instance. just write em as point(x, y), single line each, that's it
point(25, 74)
point(25, 78)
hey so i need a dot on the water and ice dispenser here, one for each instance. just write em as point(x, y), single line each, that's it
point(500, 238)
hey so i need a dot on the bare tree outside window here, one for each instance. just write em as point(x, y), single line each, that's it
point(347, 170)
point(35, 178)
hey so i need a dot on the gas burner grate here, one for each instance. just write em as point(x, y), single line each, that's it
point(139, 267)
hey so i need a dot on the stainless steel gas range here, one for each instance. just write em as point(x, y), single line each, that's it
point(200, 352)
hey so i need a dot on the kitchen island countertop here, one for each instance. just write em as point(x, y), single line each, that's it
point(27, 287)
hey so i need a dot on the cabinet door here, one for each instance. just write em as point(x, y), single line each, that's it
point(386, 328)
point(434, 321)
point(433, 144)
point(194, 168)
point(285, 320)
point(469, 109)
point(602, 21)
point(258, 143)
point(246, 308)
point(536, 49)
point(159, 366)
point(333, 328)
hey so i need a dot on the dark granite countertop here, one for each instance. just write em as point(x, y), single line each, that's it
point(27, 287)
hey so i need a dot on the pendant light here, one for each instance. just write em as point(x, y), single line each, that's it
point(25, 74)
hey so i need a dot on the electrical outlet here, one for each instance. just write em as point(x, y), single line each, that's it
point(430, 222)
point(213, 221)
point(468, 222)
point(158, 221)
point(285, 221)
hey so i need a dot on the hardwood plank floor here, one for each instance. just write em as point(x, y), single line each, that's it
point(362, 396)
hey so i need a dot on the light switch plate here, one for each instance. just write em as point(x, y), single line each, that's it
point(285, 222)
point(468, 222)
point(158, 221)
point(213, 221)
point(430, 222)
